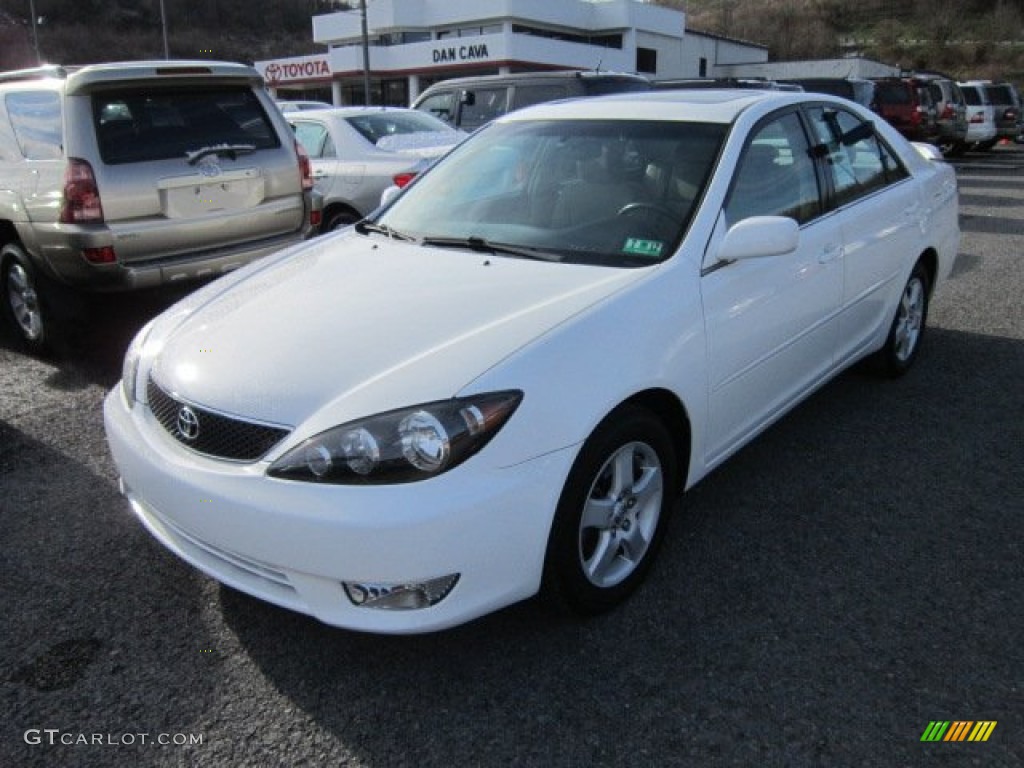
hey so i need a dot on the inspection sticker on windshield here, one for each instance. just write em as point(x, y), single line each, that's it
point(637, 247)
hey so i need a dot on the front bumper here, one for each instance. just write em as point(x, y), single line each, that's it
point(294, 544)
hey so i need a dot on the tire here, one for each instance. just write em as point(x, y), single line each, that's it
point(985, 146)
point(24, 307)
point(908, 325)
point(340, 219)
point(952, 148)
point(611, 516)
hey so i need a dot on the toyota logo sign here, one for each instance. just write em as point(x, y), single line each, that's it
point(188, 423)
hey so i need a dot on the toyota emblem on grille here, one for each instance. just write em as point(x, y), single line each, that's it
point(188, 423)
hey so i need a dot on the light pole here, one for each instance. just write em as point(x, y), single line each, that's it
point(366, 55)
point(35, 33)
point(163, 27)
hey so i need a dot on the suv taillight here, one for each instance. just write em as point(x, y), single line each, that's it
point(81, 199)
point(948, 113)
point(402, 179)
point(305, 167)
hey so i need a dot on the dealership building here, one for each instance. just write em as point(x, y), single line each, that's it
point(415, 43)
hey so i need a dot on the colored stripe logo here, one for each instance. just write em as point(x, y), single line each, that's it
point(958, 730)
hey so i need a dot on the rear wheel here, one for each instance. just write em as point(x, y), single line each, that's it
point(340, 219)
point(612, 513)
point(22, 304)
point(907, 329)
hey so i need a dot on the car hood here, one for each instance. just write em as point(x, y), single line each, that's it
point(353, 325)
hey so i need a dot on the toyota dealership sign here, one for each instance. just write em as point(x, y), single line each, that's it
point(308, 68)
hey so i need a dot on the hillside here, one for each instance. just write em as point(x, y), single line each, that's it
point(967, 38)
point(979, 38)
point(87, 31)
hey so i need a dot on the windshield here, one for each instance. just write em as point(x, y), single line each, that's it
point(610, 192)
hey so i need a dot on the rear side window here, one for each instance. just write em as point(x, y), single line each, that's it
point(314, 138)
point(140, 124)
point(972, 96)
point(481, 106)
point(36, 119)
point(525, 95)
point(858, 165)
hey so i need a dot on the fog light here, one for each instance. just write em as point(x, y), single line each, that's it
point(400, 596)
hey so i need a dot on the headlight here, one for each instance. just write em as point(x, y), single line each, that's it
point(400, 446)
point(130, 367)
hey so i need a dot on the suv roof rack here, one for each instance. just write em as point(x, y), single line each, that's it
point(34, 73)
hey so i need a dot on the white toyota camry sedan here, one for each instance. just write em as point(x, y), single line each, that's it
point(499, 383)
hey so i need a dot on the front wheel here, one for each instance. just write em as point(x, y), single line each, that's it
point(612, 513)
point(907, 329)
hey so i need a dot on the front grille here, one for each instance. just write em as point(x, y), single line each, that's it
point(210, 433)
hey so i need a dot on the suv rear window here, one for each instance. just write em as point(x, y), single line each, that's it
point(892, 93)
point(140, 123)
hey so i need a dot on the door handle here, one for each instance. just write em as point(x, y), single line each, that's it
point(830, 253)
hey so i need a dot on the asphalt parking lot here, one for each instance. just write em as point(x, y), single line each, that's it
point(854, 574)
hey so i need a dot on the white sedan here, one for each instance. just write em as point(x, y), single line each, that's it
point(500, 383)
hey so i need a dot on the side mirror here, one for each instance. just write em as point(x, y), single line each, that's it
point(759, 236)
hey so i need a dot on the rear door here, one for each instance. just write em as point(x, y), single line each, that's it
point(188, 168)
point(882, 215)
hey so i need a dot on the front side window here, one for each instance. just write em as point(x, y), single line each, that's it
point(612, 192)
point(440, 105)
point(143, 123)
point(858, 161)
point(36, 119)
point(775, 175)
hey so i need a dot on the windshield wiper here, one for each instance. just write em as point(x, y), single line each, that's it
point(486, 246)
point(231, 150)
point(366, 226)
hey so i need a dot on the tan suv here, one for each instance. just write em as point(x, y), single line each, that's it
point(139, 174)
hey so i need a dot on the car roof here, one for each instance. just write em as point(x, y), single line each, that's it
point(519, 76)
point(336, 112)
point(80, 78)
point(695, 105)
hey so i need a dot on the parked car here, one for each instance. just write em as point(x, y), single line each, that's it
point(981, 117)
point(470, 102)
point(950, 111)
point(499, 383)
point(855, 89)
point(1006, 105)
point(125, 176)
point(358, 152)
point(907, 105)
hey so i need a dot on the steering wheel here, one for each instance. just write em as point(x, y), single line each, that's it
point(630, 208)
